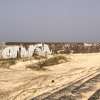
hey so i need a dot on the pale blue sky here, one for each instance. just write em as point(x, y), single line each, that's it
point(49, 20)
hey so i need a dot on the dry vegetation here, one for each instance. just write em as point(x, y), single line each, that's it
point(56, 59)
point(7, 63)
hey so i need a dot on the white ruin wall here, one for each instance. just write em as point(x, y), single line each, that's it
point(12, 51)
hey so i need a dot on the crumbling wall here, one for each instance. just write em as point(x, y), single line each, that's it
point(21, 51)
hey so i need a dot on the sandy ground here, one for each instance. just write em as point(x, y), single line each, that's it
point(20, 83)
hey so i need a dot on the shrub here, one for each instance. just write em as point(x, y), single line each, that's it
point(56, 59)
point(12, 62)
point(7, 63)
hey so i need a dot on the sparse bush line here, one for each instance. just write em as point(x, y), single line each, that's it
point(56, 59)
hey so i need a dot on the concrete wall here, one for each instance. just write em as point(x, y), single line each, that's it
point(14, 51)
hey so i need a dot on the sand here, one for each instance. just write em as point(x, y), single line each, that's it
point(19, 83)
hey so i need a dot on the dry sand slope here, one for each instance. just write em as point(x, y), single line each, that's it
point(19, 83)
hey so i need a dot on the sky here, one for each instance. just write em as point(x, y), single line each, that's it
point(49, 20)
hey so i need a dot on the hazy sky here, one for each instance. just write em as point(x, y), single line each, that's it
point(49, 20)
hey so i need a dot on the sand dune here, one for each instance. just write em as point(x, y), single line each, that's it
point(19, 83)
